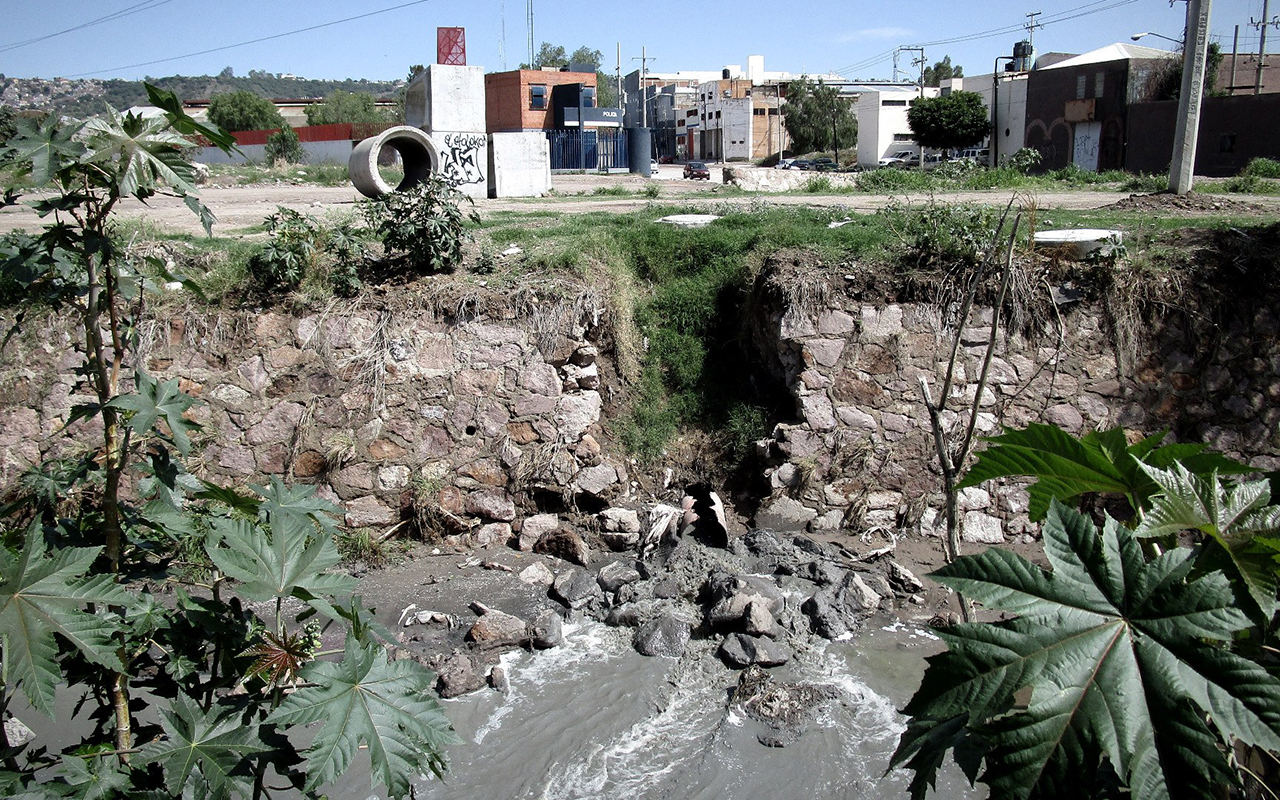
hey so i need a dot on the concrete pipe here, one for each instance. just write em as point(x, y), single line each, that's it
point(417, 152)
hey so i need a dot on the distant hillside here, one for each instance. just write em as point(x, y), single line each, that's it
point(86, 97)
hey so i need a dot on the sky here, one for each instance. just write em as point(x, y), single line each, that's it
point(136, 38)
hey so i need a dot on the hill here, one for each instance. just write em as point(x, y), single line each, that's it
point(90, 96)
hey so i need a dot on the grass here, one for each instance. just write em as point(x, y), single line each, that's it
point(326, 173)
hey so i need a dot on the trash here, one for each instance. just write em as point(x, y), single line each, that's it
point(840, 222)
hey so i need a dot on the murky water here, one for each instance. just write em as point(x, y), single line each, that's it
point(594, 719)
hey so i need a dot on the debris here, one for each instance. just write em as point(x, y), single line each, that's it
point(840, 223)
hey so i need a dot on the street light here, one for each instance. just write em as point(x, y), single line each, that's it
point(1138, 36)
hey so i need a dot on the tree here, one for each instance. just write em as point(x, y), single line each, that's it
point(549, 55)
point(340, 106)
point(941, 71)
point(1165, 83)
point(243, 111)
point(283, 145)
point(585, 55)
point(818, 118)
point(949, 122)
point(227, 72)
point(398, 115)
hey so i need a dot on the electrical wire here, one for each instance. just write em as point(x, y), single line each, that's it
point(1061, 16)
point(146, 5)
point(252, 41)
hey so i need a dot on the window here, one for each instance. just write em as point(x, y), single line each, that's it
point(588, 97)
point(1080, 81)
point(1228, 143)
point(903, 137)
point(1098, 83)
point(893, 103)
point(759, 112)
point(537, 96)
point(717, 115)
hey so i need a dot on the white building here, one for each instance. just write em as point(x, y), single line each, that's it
point(882, 122)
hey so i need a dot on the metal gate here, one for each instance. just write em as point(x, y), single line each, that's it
point(591, 150)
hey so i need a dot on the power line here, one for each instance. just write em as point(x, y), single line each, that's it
point(253, 41)
point(146, 5)
point(1061, 16)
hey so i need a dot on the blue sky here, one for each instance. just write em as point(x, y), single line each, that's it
point(851, 37)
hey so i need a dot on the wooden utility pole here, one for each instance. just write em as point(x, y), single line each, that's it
point(1195, 53)
point(1262, 26)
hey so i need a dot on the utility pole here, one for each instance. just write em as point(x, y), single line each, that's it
point(618, 74)
point(1195, 54)
point(919, 62)
point(1031, 26)
point(644, 90)
point(529, 22)
point(1235, 50)
point(1262, 25)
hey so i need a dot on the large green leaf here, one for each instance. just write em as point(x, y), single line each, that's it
point(139, 154)
point(1237, 519)
point(1066, 467)
point(207, 748)
point(282, 554)
point(365, 699)
point(50, 147)
point(43, 594)
point(155, 400)
point(1121, 664)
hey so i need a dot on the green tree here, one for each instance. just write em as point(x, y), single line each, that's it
point(340, 106)
point(953, 121)
point(818, 118)
point(401, 92)
point(243, 111)
point(283, 145)
point(549, 55)
point(1166, 82)
point(941, 71)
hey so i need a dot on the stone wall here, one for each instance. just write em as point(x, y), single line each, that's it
point(376, 409)
point(860, 455)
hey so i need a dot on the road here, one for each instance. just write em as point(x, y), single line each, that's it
point(241, 207)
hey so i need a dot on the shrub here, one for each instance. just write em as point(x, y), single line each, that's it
point(301, 249)
point(1145, 183)
point(1023, 160)
point(283, 145)
point(1262, 168)
point(243, 111)
point(818, 185)
point(942, 231)
point(885, 180)
point(423, 226)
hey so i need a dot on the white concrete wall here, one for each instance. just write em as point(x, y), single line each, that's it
point(464, 158)
point(1011, 115)
point(519, 164)
point(880, 125)
point(337, 152)
point(446, 98)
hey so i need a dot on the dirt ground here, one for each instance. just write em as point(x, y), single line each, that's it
point(240, 207)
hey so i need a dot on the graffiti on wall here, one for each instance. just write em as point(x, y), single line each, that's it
point(461, 157)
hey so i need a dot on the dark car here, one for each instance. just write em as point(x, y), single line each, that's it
point(696, 170)
point(822, 165)
point(802, 163)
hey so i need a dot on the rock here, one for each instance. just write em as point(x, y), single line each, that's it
point(496, 629)
point(575, 413)
point(785, 514)
point(498, 679)
point(740, 650)
point(627, 615)
point(534, 528)
point(903, 580)
point(982, 528)
point(566, 544)
point(493, 504)
point(730, 595)
point(537, 574)
point(458, 675)
point(17, 733)
point(546, 630)
point(368, 511)
point(495, 533)
point(824, 616)
point(576, 588)
point(620, 528)
point(758, 620)
point(595, 481)
point(784, 709)
point(617, 574)
point(667, 635)
point(856, 595)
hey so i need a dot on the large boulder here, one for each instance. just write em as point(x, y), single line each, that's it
point(667, 635)
point(566, 544)
point(496, 629)
point(546, 630)
point(617, 574)
point(730, 596)
point(534, 528)
point(824, 615)
point(740, 650)
point(620, 528)
point(576, 588)
point(457, 675)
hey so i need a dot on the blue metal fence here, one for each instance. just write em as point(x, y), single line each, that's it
point(591, 150)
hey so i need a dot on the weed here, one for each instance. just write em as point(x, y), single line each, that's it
point(1262, 168)
point(611, 191)
point(1145, 183)
point(651, 191)
point(424, 226)
point(361, 544)
point(819, 184)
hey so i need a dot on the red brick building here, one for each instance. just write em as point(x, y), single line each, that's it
point(520, 100)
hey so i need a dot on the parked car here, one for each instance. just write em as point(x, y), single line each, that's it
point(697, 170)
point(823, 164)
point(801, 163)
point(653, 166)
point(897, 159)
point(784, 163)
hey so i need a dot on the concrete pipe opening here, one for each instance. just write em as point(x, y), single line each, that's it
point(417, 152)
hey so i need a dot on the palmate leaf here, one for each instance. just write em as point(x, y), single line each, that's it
point(1100, 462)
point(1118, 655)
point(365, 699)
point(284, 554)
point(1243, 528)
point(49, 146)
point(205, 748)
point(155, 400)
point(140, 154)
point(43, 594)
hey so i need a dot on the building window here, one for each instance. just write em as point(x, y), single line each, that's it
point(903, 137)
point(588, 97)
point(717, 115)
point(893, 103)
point(1098, 83)
point(1228, 143)
point(773, 112)
point(759, 112)
point(1080, 81)
point(537, 96)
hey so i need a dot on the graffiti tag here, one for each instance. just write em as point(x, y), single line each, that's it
point(461, 156)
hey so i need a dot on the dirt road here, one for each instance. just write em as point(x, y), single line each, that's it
point(241, 207)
